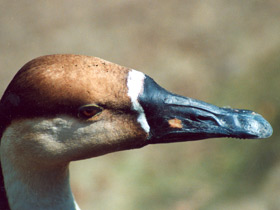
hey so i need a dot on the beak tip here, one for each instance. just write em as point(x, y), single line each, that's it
point(267, 131)
point(261, 128)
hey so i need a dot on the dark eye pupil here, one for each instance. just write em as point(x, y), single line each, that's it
point(89, 111)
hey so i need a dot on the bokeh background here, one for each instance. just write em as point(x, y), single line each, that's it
point(222, 52)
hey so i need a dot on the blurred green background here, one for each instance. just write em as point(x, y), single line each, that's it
point(222, 52)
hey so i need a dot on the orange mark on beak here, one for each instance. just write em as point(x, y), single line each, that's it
point(175, 123)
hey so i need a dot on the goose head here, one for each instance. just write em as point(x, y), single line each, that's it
point(69, 107)
point(61, 108)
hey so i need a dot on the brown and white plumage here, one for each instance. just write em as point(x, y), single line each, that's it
point(61, 108)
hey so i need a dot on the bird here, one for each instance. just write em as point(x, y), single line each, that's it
point(64, 107)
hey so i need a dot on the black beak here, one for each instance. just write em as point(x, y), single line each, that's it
point(174, 118)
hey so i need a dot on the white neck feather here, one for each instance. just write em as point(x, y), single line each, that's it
point(29, 185)
point(46, 190)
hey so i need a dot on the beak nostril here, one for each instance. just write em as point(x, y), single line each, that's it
point(204, 118)
point(201, 118)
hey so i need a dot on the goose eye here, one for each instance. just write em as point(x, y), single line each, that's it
point(89, 111)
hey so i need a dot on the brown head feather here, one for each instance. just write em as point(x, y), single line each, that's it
point(58, 84)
